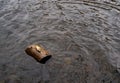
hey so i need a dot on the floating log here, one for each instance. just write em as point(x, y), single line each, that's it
point(38, 53)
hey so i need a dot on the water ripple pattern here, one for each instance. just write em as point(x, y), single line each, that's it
point(82, 35)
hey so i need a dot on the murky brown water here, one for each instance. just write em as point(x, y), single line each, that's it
point(82, 35)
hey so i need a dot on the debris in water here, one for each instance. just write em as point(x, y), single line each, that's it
point(38, 53)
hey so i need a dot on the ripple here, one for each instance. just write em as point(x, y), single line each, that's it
point(83, 37)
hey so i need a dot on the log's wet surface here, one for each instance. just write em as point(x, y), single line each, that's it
point(82, 35)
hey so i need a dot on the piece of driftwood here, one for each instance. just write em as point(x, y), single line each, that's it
point(38, 53)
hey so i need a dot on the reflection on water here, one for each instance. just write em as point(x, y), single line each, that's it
point(82, 35)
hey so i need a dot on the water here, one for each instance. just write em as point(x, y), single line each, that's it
point(82, 35)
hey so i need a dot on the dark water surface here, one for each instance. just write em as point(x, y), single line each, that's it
point(82, 35)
